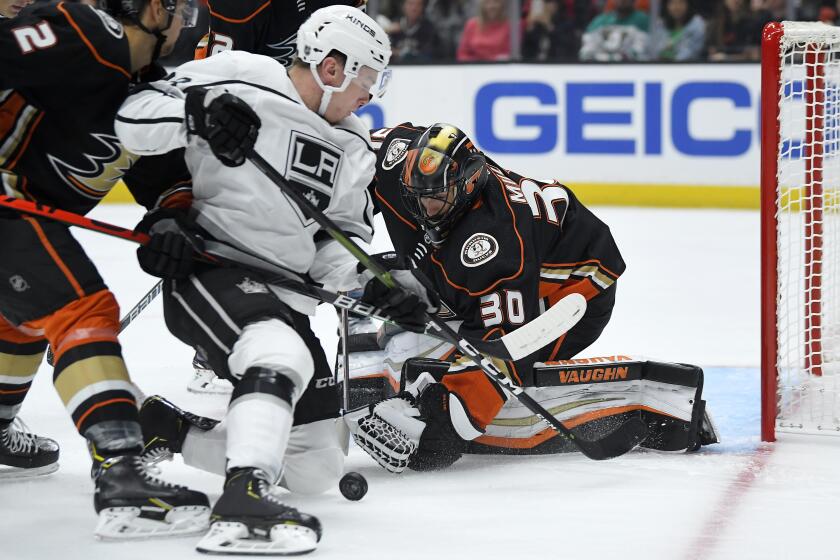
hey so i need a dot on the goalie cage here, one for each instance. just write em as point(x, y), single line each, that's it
point(800, 229)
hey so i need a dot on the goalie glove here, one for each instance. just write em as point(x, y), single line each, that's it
point(390, 430)
point(423, 428)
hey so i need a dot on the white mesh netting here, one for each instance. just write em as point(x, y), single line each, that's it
point(808, 240)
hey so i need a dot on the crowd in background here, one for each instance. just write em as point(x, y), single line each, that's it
point(436, 31)
point(586, 30)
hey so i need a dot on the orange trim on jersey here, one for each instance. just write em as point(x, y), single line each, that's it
point(26, 141)
point(242, 20)
point(575, 265)
point(391, 208)
point(90, 46)
point(555, 292)
point(500, 280)
point(84, 188)
point(55, 257)
point(100, 405)
point(10, 110)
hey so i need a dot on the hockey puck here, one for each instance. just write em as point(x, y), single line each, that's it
point(353, 486)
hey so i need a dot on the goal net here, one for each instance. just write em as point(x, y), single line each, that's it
point(800, 217)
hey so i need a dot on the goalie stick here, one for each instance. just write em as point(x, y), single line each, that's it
point(518, 344)
point(621, 440)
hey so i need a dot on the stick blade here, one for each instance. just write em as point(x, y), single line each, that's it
point(546, 328)
point(618, 442)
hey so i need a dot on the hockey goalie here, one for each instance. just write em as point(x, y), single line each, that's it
point(492, 250)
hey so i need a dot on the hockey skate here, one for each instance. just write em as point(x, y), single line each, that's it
point(249, 520)
point(133, 504)
point(165, 427)
point(205, 380)
point(23, 454)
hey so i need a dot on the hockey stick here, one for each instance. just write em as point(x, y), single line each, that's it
point(343, 321)
point(621, 440)
point(522, 342)
point(128, 317)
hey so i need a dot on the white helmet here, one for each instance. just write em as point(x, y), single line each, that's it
point(354, 34)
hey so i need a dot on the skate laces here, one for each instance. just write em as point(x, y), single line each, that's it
point(150, 472)
point(156, 455)
point(18, 439)
point(266, 490)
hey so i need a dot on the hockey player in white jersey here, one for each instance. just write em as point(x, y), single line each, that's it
point(255, 334)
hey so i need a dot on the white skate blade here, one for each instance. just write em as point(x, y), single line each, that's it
point(17, 473)
point(205, 382)
point(232, 537)
point(125, 523)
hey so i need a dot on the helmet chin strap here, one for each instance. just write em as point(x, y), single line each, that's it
point(158, 34)
point(327, 91)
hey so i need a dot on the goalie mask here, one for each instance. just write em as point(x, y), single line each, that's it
point(442, 177)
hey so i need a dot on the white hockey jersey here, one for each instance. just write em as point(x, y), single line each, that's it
point(333, 164)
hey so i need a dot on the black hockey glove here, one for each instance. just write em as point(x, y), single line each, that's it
point(226, 122)
point(407, 304)
point(172, 247)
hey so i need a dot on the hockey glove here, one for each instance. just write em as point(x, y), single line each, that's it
point(409, 302)
point(226, 122)
point(172, 247)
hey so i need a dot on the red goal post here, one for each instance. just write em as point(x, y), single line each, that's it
point(800, 229)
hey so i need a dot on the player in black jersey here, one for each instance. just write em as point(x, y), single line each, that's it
point(499, 249)
point(267, 27)
point(11, 8)
point(65, 69)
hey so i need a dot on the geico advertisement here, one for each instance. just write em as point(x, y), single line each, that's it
point(645, 124)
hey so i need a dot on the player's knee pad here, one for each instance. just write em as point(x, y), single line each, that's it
point(267, 382)
point(274, 345)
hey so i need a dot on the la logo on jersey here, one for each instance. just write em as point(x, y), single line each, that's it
point(314, 164)
point(478, 249)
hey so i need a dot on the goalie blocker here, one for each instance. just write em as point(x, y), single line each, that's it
point(425, 427)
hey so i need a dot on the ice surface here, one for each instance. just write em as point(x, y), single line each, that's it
point(690, 294)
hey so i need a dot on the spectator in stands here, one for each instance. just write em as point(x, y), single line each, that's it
point(486, 36)
point(680, 35)
point(449, 17)
point(734, 32)
point(553, 29)
point(619, 34)
point(413, 36)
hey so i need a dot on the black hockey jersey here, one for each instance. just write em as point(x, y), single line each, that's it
point(64, 71)
point(261, 26)
point(523, 246)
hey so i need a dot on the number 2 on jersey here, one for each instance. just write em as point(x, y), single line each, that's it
point(35, 37)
